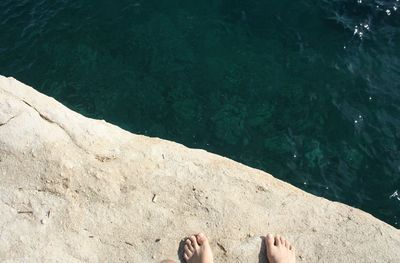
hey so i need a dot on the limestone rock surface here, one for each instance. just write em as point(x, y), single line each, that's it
point(74, 189)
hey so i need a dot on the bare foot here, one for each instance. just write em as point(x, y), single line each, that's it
point(279, 250)
point(197, 250)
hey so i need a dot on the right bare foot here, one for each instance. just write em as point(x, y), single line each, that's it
point(197, 250)
point(279, 250)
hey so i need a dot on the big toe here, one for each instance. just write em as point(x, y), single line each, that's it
point(201, 239)
point(269, 240)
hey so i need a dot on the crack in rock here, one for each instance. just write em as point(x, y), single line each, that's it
point(59, 125)
point(2, 124)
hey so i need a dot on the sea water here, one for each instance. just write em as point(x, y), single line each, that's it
point(306, 90)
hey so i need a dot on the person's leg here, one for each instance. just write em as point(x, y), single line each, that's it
point(197, 249)
point(279, 250)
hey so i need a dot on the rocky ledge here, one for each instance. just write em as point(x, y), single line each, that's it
point(74, 189)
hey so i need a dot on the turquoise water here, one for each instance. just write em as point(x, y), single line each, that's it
point(306, 90)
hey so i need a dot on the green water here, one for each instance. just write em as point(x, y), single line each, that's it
point(290, 87)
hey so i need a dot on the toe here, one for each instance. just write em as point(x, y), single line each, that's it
point(194, 242)
point(186, 257)
point(287, 244)
point(277, 240)
point(188, 244)
point(269, 240)
point(188, 252)
point(201, 239)
point(283, 240)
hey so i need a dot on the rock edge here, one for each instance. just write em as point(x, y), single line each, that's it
point(75, 189)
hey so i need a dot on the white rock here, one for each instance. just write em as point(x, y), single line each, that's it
point(89, 185)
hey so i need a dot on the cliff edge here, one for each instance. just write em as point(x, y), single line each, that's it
point(74, 189)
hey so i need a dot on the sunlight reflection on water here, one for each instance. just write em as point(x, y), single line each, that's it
point(307, 90)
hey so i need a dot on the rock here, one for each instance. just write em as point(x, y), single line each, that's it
point(74, 189)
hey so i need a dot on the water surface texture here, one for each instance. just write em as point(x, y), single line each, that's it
point(306, 90)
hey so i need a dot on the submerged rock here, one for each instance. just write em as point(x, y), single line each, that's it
point(74, 189)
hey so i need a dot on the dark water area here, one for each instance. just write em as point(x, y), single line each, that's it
point(306, 90)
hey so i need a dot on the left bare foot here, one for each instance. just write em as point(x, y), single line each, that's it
point(197, 250)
